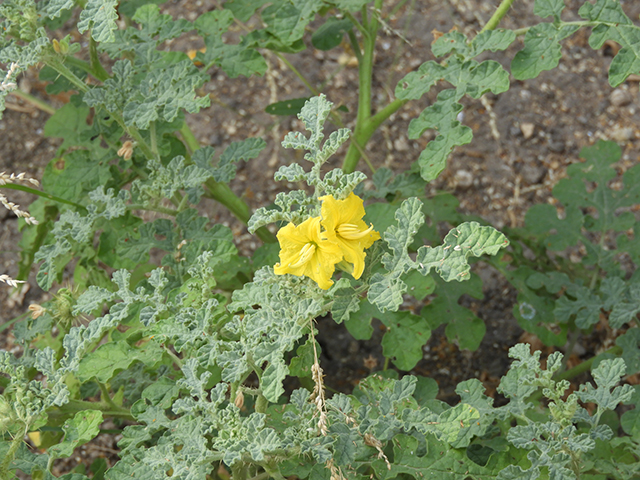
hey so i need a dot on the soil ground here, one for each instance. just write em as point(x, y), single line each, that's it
point(523, 141)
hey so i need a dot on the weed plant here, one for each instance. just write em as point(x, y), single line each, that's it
point(188, 354)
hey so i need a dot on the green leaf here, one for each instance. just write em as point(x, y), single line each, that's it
point(440, 461)
point(406, 335)
point(349, 5)
point(301, 364)
point(492, 40)
point(618, 27)
point(541, 50)
point(287, 107)
point(111, 357)
point(462, 325)
point(100, 16)
point(82, 428)
point(330, 33)
point(451, 42)
point(359, 323)
point(75, 174)
point(545, 8)
point(586, 308)
point(542, 219)
point(69, 123)
point(630, 343)
point(416, 84)
point(442, 115)
point(345, 302)
point(606, 395)
point(225, 170)
point(287, 20)
point(386, 290)
point(54, 8)
point(450, 260)
point(630, 422)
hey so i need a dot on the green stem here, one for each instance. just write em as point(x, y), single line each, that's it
point(239, 471)
point(177, 360)
point(106, 398)
point(355, 46)
point(81, 64)
point(262, 476)
point(22, 188)
point(364, 133)
point(6, 325)
point(365, 73)
point(36, 102)
point(189, 138)
point(75, 406)
point(62, 69)
point(586, 365)
point(159, 209)
point(223, 194)
point(154, 140)
point(297, 73)
point(97, 69)
point(500, 12)
point(15, 444)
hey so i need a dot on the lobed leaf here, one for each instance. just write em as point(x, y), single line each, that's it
point(100, 16)
point(450, 260)
point(541, 50)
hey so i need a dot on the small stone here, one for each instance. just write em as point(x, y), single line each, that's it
point(620, 98)
point(515, 131)
point(527, 129)
point(463, 179)
point(556, 146)
point(621, 134)
point(401, 144)
point(532, 174)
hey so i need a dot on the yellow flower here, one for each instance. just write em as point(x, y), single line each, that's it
point(342, 220)
point(305, 250)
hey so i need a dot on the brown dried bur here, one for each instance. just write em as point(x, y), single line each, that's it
point(372, 441)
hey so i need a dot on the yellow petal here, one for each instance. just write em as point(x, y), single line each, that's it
point(342, 219)
point(304, 251)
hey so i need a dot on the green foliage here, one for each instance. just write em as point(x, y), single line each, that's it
point(198, 348)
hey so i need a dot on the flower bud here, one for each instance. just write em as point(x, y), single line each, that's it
point(239, 400)
point(126, 151)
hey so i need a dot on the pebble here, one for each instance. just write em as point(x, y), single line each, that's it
point(532, 174)
point(401, 144)
point(527, 129)
point(620, 98)
point(621, 134)
point(463, 178)
point(515, 131)
point(556, 146)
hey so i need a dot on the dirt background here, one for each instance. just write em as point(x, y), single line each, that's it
point(523, 141)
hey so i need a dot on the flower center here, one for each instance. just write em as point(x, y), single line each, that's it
point(305, 255)
point(349, 231)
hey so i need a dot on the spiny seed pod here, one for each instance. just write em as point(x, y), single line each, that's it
point(63, 304)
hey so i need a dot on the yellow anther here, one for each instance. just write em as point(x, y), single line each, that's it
point(305, 255)
point(349, 231)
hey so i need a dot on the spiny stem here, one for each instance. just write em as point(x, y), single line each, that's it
point(15, 444)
